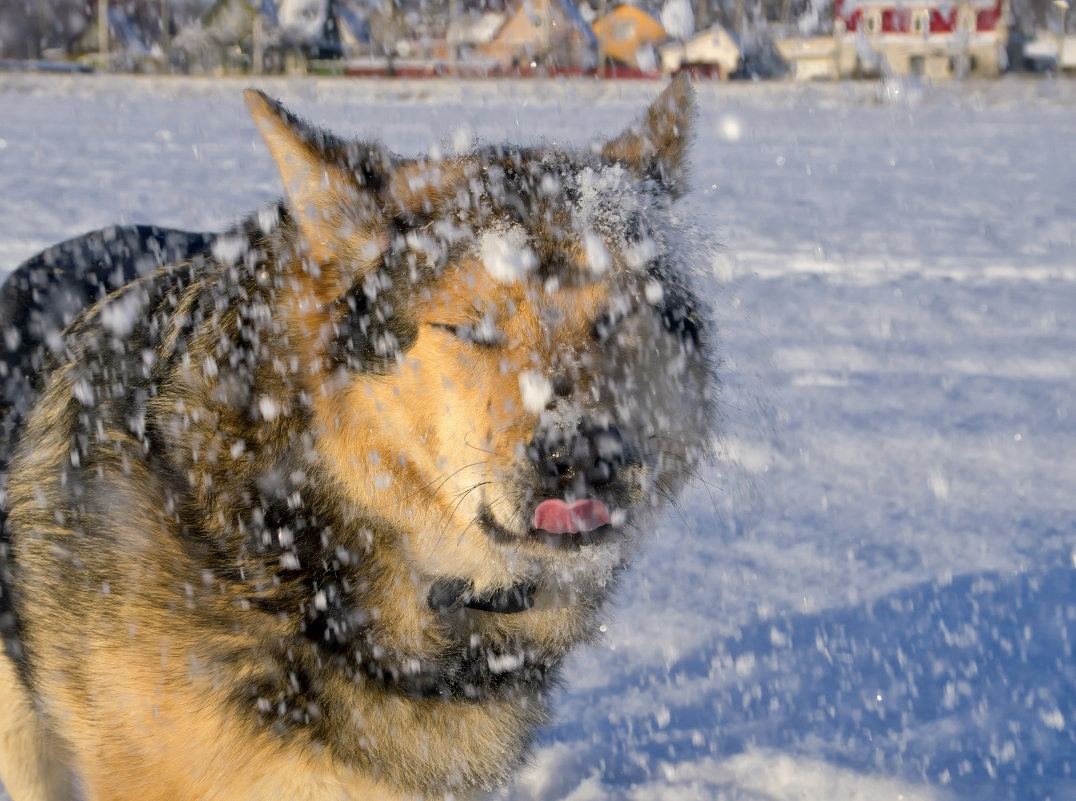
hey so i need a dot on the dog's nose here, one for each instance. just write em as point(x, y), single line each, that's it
point(607, 448)
point(593, 453)
point(563, 386)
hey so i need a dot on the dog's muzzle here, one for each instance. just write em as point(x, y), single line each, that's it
point(589, 455)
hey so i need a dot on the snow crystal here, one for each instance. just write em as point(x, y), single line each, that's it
point(939, 484)
point(678, 18)
point(639, 254)
point(230, 249)
point(485, 333)
point(505, 254)
point(83, 392)
point(654, 292)
point(646, 58)
point(121, 314)
point(550, 185)
point(662, 716)
point(504, 663)
point(597, 255)
point(432, 248)
point(463, 139)
point(269, 408)
point(730, 128)
point(536, 390)
point(268, 218)
point(1054, 719)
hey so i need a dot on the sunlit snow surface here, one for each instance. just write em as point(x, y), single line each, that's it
point(872, 595)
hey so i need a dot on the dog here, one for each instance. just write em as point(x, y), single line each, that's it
point(318, 510)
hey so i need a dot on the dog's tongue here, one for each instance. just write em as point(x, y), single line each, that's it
point(559, 517)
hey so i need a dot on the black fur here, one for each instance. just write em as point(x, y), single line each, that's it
point(38, 300)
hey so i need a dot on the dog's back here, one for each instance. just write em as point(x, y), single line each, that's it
point(41, 297)
point(38, 299)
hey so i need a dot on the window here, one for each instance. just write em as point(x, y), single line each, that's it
point(921, 23)
point(623, 30)
point(874, 22)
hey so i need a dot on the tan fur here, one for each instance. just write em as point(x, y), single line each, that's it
point(31, 759)
point(227, 525)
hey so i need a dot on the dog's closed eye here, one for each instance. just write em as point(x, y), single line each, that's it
point(484, 334)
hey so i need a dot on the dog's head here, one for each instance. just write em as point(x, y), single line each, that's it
point(506, 355)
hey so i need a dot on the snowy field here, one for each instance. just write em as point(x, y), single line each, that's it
point(872, 595)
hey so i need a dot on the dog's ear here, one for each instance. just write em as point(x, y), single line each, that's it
point(335, 191)
point(656, 146)
point(422, 187)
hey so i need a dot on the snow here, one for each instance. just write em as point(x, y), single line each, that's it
point(610, 205)
point(535, 390)
point(872, 593)
point(506, 255)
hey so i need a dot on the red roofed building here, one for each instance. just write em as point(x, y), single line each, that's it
point(922, 37)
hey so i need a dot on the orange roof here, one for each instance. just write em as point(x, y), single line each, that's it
point(626, 29)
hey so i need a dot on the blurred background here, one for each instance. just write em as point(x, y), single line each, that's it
point(724, 39)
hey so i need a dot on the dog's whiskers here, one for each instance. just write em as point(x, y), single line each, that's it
point(490, 507)
point(433, 480)
point(672, 434)
point(474, 519)
point(481, 450)
point(451, 513)
point(667, 493)
point(692, 472)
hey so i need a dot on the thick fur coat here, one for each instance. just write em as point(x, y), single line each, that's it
point(318, 513)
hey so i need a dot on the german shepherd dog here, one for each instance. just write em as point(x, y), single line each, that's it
point(317, 511)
